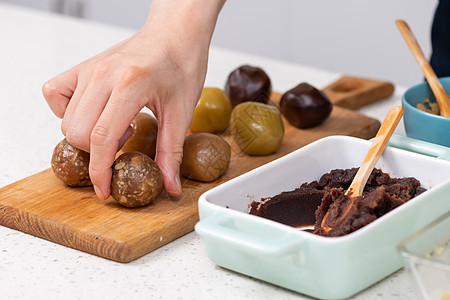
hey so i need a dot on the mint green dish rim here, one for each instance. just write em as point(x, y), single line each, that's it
point(326, 268)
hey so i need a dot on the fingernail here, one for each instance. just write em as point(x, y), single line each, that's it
point(99, 192)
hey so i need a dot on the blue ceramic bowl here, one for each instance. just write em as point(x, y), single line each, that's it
point(422, 125)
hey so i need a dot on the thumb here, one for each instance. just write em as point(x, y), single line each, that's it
point(172, 130)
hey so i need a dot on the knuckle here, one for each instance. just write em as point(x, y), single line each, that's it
point(130, 75)
point(174, 154)
point(100, 135)
point(77, 138)
point(102, 69)
point(177, 154)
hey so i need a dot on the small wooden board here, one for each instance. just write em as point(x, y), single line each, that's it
point(355, 92)
point(43, 206)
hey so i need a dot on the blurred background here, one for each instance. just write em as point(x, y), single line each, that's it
point(354, 37)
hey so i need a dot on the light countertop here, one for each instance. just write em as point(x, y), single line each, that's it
point(34, 47)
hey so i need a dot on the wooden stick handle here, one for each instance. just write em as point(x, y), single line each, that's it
point(436, 86)
point(378, 145)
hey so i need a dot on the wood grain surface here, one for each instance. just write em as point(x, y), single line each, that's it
point(43, 206)
point(355, 92)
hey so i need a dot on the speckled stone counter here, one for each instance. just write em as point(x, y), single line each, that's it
point(34, 47)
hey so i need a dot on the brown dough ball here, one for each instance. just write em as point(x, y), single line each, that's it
point(71, 164)
point(305, 106)
point(136, 179)
point(248, 83)
point(206, 157)
point(143, 139)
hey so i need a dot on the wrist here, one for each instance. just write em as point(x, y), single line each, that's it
point(186, 19)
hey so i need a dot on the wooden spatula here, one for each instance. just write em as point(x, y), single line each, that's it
point(376, 149)
point(378, 145)
point(442, 98)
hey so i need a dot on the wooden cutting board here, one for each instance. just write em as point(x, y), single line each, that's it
point(43, 206)
point(355, 92)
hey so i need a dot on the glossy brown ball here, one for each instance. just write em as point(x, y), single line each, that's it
point(71, 164)
point(248, 83)
point(305, 106)
point(206, 157)
point(136, 179)
point(143, 138)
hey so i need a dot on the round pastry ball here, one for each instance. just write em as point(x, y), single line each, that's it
point(143, 138)
point(305, 106)
point(71, 164)
point(206, 157)
point(212, 112)
point(136, 179)
point(248, 83)
point(257, 128)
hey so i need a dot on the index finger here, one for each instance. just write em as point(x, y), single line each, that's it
point(59, 90)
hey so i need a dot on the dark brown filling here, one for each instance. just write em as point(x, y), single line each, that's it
point(295, 208)
point(322, 203)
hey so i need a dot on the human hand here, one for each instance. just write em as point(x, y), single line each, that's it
point(162, 66)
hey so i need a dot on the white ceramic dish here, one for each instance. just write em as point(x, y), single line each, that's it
point(322, 267)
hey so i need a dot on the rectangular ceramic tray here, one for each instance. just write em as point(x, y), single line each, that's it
point(322, 267)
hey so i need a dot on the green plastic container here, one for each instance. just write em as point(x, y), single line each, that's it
point(322, 267)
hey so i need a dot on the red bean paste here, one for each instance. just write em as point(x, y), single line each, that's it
point(323, 205)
